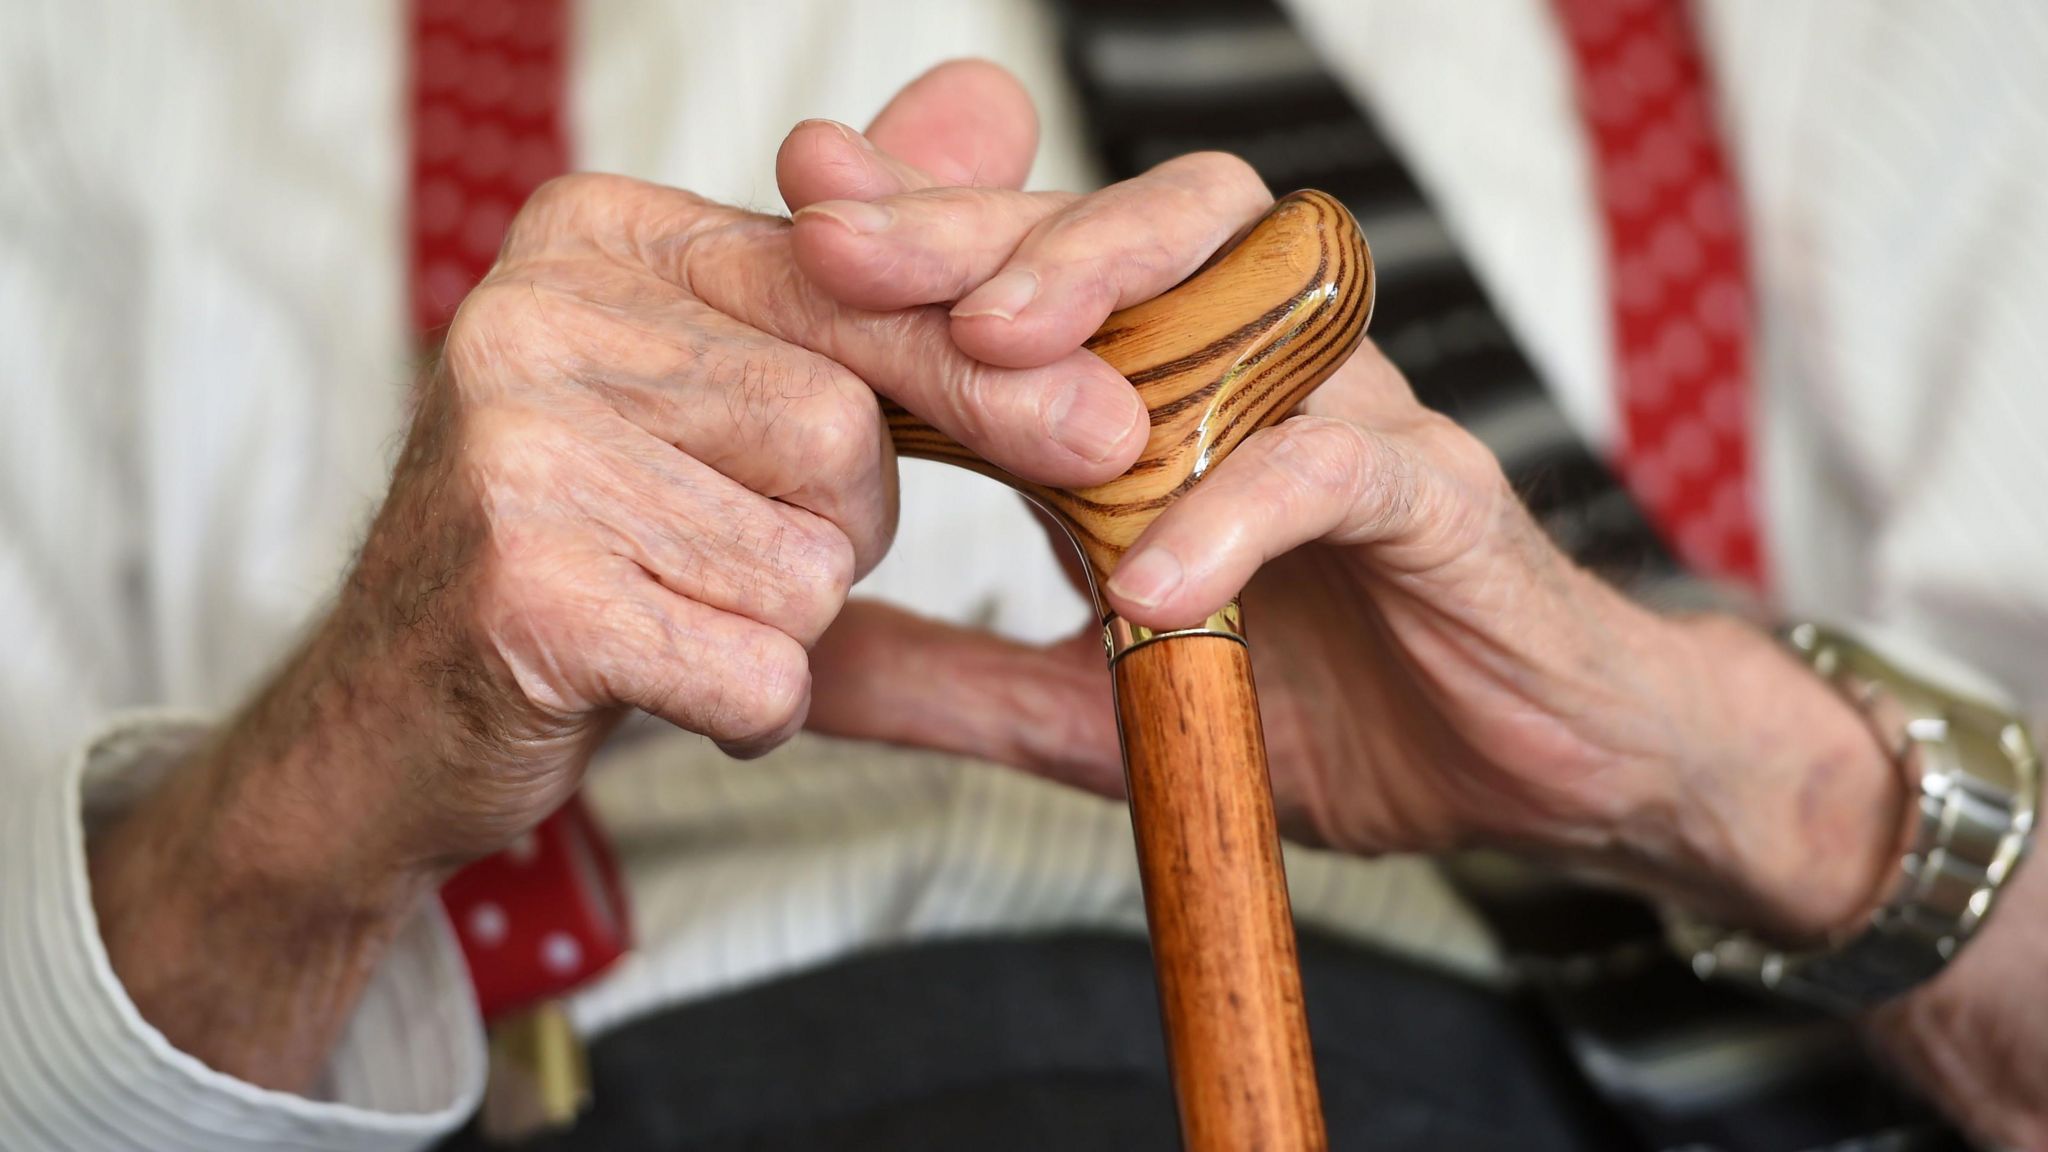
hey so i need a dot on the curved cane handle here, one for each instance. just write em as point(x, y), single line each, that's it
point(1231, 350)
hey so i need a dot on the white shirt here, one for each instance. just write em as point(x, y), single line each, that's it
point(204, 353)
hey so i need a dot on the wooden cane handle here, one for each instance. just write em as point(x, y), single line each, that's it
point(1232, 349)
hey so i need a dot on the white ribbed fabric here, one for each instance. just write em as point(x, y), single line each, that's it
point(203, 361)
point(79, 1068)
point(742, 870)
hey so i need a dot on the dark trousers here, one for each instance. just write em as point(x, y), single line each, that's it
point(1053, 1043)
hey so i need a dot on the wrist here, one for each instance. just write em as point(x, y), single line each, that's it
point(1784, 813)
point(220, 823)
point(246, 958)
point(246, 900)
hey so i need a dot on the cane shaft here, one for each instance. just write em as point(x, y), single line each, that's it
point(1216, 896)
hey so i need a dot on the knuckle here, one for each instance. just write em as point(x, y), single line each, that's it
point(822, 563)
point(814, 431)
point(1318, 454)
point(837, 570)
point(513, 331)
point(562, 203)
point(1224, 172)
point(607, 212)
point(1101, 278)
point(1473, 490)
point(969, 395)
point(809, 570)
point(572, 189)
point(1324, 457)
point(842, 442)
point(759, 387)
point(1095, 249)
point(1433, 486)
point(517, 331)
point(765, 697)
point(1068, 235)
point(1463, 455)
point(493, 322)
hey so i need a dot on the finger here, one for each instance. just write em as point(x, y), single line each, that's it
point(927, 247)
point(781, 420)
point(1376, 470)
point(743, 684)
point(1070, 422)
point(1038, 272)
point(826, 160)
point(1122, 245)
point(708, 538)
point(965, 122)
point(596, 477)
point(1305, 479)
point(885, 675)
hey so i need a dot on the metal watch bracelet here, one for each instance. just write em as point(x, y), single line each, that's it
point(1973, 775)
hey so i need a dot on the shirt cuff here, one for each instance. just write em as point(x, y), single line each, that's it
point(82, 1071)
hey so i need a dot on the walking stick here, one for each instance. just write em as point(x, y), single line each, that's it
point(1233, 349)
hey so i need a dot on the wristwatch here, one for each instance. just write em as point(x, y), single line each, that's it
point(1973, 775)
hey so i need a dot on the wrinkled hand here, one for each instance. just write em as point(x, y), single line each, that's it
point(1435, 673)
point(645, 473)
point(649, 468)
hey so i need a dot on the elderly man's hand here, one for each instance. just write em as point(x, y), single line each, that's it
point(648, 467)
point(644, 475)
point(1436, 672)
point(646, 471)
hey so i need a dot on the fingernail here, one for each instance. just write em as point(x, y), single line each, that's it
point(1003, 296)
point(1092, 420)
point(1147, 578)
point(845, 132)
point(856, 217)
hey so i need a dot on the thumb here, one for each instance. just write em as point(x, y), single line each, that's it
point(968, 123)
point(886, 675)
point(965, 123)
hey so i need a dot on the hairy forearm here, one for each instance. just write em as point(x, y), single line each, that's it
point(246, 901)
